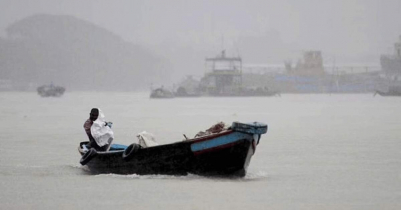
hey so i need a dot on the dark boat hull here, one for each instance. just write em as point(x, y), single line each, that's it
point(178, 159)
point(50, 91)
point(224, 154)
point(168, 159)
point(161, 93)
point(230, 161)
point(381, 93)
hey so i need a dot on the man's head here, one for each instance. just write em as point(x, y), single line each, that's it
point(94, 114)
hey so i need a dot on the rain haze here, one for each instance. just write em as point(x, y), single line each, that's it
point(324, 76)
point(180, 34)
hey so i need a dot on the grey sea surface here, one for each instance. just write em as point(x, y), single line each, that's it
point(321, 151)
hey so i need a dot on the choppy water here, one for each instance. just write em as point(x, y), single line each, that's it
point(321, 152)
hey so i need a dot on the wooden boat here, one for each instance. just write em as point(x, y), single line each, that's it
point(227, 153)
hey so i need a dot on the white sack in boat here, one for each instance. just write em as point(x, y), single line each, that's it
point(146, 139)
point(102, 134)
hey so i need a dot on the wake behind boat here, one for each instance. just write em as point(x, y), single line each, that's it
point(224, 153)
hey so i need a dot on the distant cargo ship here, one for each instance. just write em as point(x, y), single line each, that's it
point(224, 76)
point(312, 65)
point(391, 64)
point(391, 67)
point(309, 75)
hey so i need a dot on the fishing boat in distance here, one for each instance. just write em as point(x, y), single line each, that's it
point(161, 93)
point(50, 90)
point(218, 151)
point(394, 90)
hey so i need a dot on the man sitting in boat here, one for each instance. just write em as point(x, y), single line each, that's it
point(98, 130)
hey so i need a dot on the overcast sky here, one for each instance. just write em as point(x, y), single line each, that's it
point(349, 27)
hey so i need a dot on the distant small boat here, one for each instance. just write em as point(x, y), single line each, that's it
point(161, 93)
point(381, 93)
point(227, 152)
point(50, 91)
point(394, 90)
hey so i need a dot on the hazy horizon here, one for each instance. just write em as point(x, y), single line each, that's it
point(309, 23)
point(185, 32)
